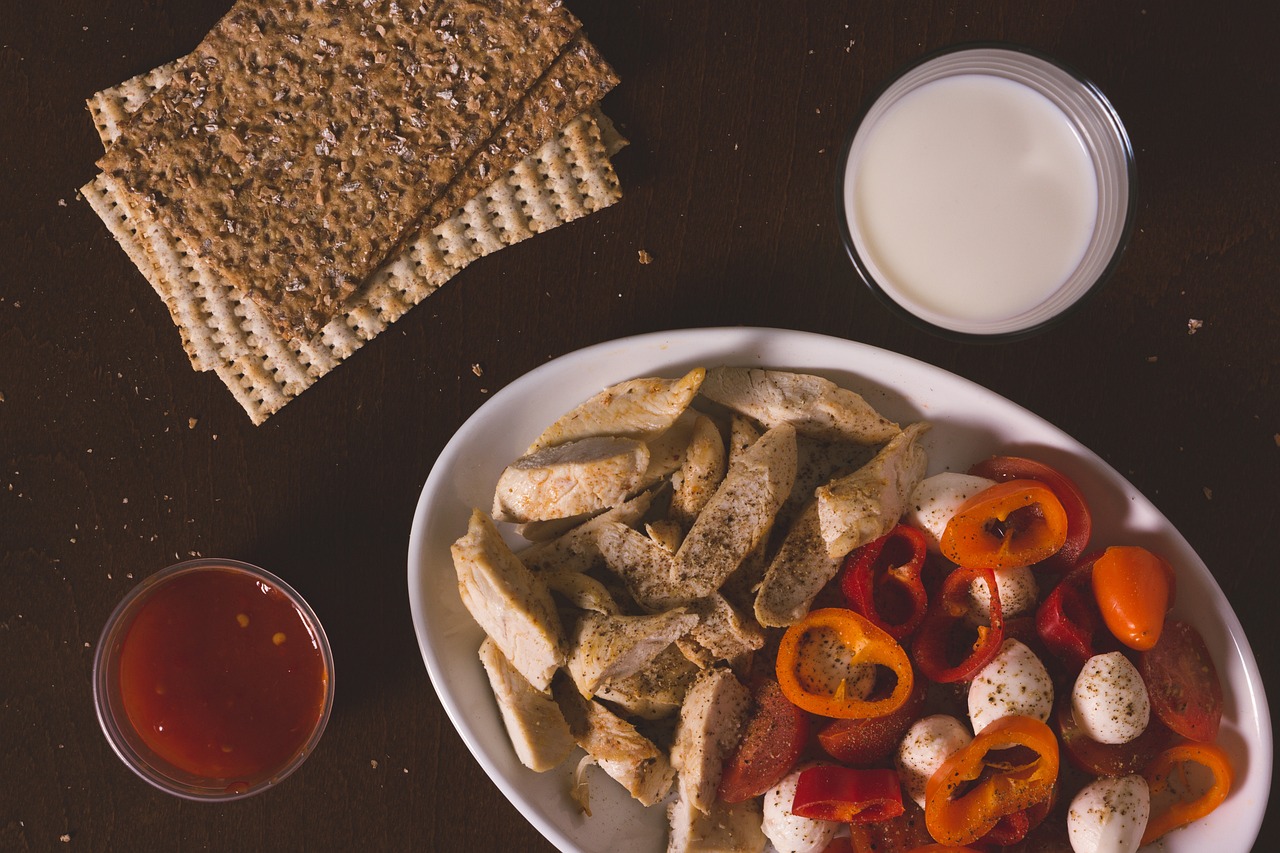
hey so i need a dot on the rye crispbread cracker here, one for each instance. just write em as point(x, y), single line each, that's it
point(224, 331)
point(302, 140)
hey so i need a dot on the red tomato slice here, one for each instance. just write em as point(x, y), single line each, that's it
point(775, 735)
point(861, 743)
point(899, 834)
point(839, 845)
point(1079, 520)
point(1103, 759)
point(1183, 683)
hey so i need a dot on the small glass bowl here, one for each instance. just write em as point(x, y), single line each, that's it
point(120, 732)
point(1106, 142)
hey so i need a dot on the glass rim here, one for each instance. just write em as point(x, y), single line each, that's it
point(1123, 235)
point(153, 770)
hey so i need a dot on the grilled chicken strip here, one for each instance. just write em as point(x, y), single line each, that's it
point(509, 602)
point(700, 473)
point(727, 828)
point(656, 690)
point(816, 407)
point(638, 408)
point(570, 479)
point(580, 590)
point(621, 751)
point(710, 722)
point(606, 648)
point(536, 726)
point(576, 550)
point(865, 505)
point(739, 515)
point(722, 634)
point(797, 573)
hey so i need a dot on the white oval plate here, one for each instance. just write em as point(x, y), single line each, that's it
point(969, 423)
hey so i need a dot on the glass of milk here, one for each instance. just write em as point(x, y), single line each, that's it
point(986, 191)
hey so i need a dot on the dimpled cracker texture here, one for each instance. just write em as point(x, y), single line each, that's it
point(222, 330)
point(302, 139)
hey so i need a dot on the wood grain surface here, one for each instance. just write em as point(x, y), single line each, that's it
point(116, 459)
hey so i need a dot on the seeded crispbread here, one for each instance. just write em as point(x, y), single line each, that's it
point(303, 139)
point(224, 331)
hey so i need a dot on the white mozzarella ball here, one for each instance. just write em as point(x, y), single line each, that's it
point(926, 746)
point(1109, 700)
point(937, 498)
point(1015, 682)
point(1110, 815)
point(1018, 592)
point(790, 833)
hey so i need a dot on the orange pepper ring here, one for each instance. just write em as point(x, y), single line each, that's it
point(1208, 755)
point(867, 643)
point(967, 818)
point(967, 541)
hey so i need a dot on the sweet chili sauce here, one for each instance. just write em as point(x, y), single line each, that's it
point(221, 675)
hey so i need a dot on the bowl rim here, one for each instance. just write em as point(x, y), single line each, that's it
point(1126, 230)
point(106, 654)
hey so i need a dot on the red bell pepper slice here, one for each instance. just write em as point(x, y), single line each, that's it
point(816, 654)
point(983, 782)
point(884, 575)
point(1068, 619)
point(847, 795)
point(934, 640)
point(1079, 519)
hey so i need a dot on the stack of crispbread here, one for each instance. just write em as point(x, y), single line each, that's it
point(314, 169)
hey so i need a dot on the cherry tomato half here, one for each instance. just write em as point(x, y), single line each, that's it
point(775, 735)
point(1104, 759)
point(1186, 694)
point(1134, 589)
point(861, 743)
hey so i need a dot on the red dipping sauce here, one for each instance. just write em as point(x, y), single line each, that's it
point(220, 675)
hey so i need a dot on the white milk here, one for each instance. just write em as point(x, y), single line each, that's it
point(975, 197)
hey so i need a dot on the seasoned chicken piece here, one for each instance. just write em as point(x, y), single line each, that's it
point(509, 602)
point(605, 648)
point(700, 473)
point(576, 550)
point(727, 828)
point(722, 634)
point(570, 479)
point(621, 751)
point(866, 504)
point(581, 590)
point(710, 721)
point(816, 407)
point(534, 722)
point(818, 463)
point(742, 434)
point(645, 566)
point(638, 408)
point(667, 449)
point(666, 533)
point(656, 690)
point(739, 515)
point(797, 573)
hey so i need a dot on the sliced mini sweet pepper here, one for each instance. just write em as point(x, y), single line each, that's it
point(882, 581)
point(820, 654)
point(831, 792)
point(1011, 524)
point(1068, 618)
point(1011, 765)
point(1166, 775)
point(934, 641)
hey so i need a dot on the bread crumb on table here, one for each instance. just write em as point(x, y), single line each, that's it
point(645, 257)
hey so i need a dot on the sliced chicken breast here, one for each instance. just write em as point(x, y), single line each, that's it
point(570, 479)
point(656, 690)
point(722, 634)
point(638, 408)
point(727, 828)
point(739, 515)
point(646, 567)
point(580, 590)
point(710, 723)
point(816, 407)
point(606, 648)
point(796, 574)
point(510, 603)
point(576, 549)
point(700, 472)
point(865, 505)
point(534, 723)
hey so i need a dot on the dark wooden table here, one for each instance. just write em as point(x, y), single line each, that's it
point(117, 459)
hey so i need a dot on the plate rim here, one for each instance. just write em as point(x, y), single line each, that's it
point(730, 339)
